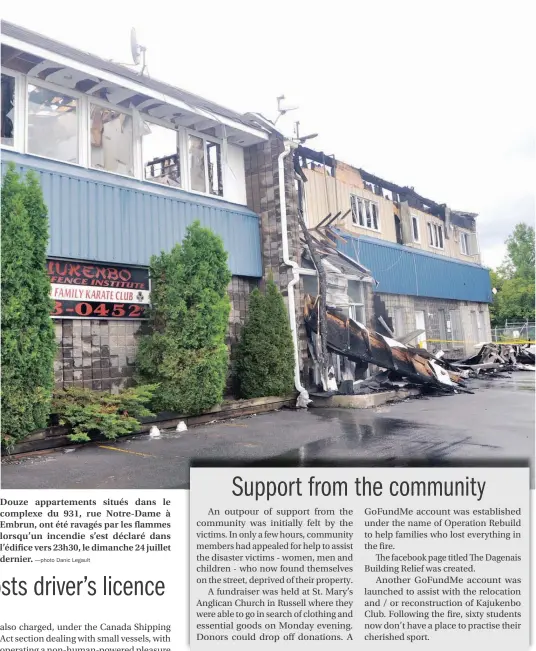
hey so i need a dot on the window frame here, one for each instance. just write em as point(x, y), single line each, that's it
point(83, 108)
point(464, 243)
point(136, 141)
point(362, 211)
point(20, 114)
point(354, 210)
point(145, 117)
point(434, 231)
point(75, 94)
point(353, 308)
point(415, 220)
point(191, 132)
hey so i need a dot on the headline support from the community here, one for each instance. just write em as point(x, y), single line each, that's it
point(376, 557)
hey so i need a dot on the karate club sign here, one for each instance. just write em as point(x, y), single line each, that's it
point(90, 290)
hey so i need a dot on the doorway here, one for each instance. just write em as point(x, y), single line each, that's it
point(420, 324)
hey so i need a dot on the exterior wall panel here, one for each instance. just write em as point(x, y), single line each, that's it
point(98, 216)
point(457, 340)
point(452, 246)
point(325, 194)
point(402, 270)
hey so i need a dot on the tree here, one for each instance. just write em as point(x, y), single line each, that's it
point(265, 355)
point(28, 342)
point(184, 349)
point(514, 279)
point(519, 260)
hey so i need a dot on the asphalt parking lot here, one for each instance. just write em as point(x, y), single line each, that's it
point(493, 426)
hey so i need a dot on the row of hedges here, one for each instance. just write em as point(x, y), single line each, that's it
point(182, 359)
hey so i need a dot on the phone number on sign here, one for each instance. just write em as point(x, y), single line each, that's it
point(94, 310)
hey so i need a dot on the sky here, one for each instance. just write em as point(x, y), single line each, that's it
point(438, 96)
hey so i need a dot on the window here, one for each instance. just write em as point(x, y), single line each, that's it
point(356, 298)
point(8, 110)
point(357, 312)
point(375, 218)
point(357, 210)
point(415, 228)
point(111, 140)
point(52, 124)
point(59, 123)
point(364, 213)
point(196, 155)
point(464, 243)
point(435, 235)
point(206, 173)
point(161, 162)
point(215, 176)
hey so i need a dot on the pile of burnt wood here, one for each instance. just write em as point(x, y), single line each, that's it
point(402, 364)
point(495, 358)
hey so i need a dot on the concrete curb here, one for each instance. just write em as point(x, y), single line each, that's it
point(365, 401)
point(58, 436)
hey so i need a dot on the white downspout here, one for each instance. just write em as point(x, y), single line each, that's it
point(303, 399)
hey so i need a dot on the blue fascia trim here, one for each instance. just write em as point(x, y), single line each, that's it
point(407, 249)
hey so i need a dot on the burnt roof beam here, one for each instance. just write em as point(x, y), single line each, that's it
point(316, 156)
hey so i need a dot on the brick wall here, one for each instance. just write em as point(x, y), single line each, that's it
point(96, 354)
point(101, 354)
point(263, 197)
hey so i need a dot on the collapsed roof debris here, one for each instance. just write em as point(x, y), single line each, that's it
point(496, 357)
point(356, 342)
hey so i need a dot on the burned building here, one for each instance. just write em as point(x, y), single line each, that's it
point(423, 256)
point(126, 162)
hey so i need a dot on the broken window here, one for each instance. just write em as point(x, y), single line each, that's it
point(161, 162)
point(415, 228)
point(430, 235)
point(52, 124)
point(375, 219)
point(435, 235)
point(353, 206)
point(206, 173)
point(196, 155)
point(214, 169)
point(464, 243)
point(356, 301)
point(111, 140)
point(356, 204)
point(361, 212)
point(8, 110)
point(369, 215)
point(364, 213)
point(398, 230)
point(357, 312)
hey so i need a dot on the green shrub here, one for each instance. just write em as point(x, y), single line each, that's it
point(28, 342)
point(89, 413)
point(184, 349)
point(265, 355)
